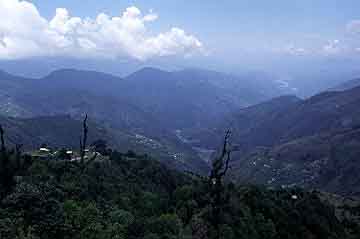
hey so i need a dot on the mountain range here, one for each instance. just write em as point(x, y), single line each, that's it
point(142, 111)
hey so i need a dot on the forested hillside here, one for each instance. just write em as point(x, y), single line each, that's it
point(59, 131)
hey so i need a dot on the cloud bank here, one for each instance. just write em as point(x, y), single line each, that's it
point(25, 33)
point(347, 43)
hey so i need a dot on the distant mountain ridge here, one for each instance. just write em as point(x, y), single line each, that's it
point(176, 99)
point(347, 85)
point(242, 122)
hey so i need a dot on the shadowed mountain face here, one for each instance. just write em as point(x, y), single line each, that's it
point(286, 118)
point(243, 123)
point(347, 85)
point(194, 98)
point(325, 112)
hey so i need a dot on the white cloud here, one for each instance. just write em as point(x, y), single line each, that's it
point(294, 50)
point(25, 33)
point(332, 47)
point(345, 44)
point(353, 27)
point(329, 48)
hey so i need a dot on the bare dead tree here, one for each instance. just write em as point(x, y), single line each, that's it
point(221, 164)
point(2, 139)
point(83, 142)
point(83, 139)
point(216, 188)
point(18, 151)
point(219, 169)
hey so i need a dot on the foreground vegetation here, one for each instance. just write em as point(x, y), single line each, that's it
point(132, 196)
point(124, 197)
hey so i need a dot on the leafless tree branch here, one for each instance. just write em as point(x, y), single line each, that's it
point(83, 140)
point(2, 139)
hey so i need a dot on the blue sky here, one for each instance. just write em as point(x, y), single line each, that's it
point(305, 14)
point(230, 21)
point(225, 26)
point(228, 32)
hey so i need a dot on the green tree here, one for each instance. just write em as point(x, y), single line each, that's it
point(168, 226)
point(10, 164)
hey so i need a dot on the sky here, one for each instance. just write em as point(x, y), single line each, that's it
point(228, 32)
